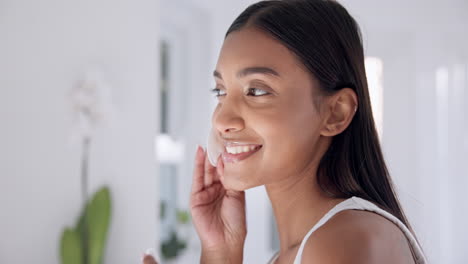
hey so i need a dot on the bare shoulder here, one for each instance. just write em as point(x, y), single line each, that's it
point(355, 236)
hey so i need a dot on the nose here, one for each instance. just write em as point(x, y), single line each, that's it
point(226, 119)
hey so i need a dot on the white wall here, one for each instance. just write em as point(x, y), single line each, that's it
point(44, 48)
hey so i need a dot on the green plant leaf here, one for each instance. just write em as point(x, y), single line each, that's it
point(183, 216)
point(70, 247)
point(98, 213)
point(80, 230)
point(162, 210)
point(172, 247)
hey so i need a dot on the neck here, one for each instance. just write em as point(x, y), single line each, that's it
point(298, 204)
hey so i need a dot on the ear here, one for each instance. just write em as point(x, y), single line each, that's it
point(340, 109)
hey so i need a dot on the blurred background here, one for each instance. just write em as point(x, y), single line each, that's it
point(115, 95)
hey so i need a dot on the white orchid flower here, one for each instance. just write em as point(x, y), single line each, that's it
point(91, 104)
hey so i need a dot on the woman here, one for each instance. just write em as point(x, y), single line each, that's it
point(294, 105)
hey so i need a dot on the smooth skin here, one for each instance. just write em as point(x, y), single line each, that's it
point(285, 113)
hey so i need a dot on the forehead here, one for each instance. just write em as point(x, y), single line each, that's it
point(253, 47)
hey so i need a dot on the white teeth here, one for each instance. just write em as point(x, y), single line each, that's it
point(239, 149)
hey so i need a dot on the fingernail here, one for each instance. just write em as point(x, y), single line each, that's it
point(150, 251)
point(199, 147)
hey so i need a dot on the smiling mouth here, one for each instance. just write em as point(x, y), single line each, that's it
point(236, 157)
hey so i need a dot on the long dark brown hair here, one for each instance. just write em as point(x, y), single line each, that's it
point(327, 40)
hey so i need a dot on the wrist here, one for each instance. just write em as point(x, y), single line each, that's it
point(223, 254)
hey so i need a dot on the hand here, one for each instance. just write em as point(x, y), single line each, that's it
point(218, 214)
point(148, 259)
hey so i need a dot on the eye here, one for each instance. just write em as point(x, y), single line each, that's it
point(217, 91)
point(257, 92)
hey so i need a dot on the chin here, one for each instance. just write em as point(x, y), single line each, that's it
point(237, 184)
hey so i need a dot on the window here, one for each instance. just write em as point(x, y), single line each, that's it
point(374, 73)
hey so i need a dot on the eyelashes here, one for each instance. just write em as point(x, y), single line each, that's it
point(216, 91)
point(250, 92)
point(263, 92)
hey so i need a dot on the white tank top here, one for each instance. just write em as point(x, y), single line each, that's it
point(356, 203)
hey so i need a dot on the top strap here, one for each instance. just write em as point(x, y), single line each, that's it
point(356, 203)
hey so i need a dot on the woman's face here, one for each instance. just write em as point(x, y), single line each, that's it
point(265, 98)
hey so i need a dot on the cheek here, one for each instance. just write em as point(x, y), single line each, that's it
point(290, 139)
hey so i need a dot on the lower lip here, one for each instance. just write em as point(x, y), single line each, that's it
point(232, 158)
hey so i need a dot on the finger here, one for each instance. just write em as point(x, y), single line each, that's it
point(216, 177)
point(148, 259)
point(208, 195)
point(198, 171)
point(210, 172)
point(220, 169)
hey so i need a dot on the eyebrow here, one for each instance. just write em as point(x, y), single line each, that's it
point(251, 70)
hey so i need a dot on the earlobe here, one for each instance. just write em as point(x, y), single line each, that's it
point(341, 109)
point(328, 131)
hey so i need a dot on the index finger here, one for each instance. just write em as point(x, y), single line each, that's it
point(199, 171)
